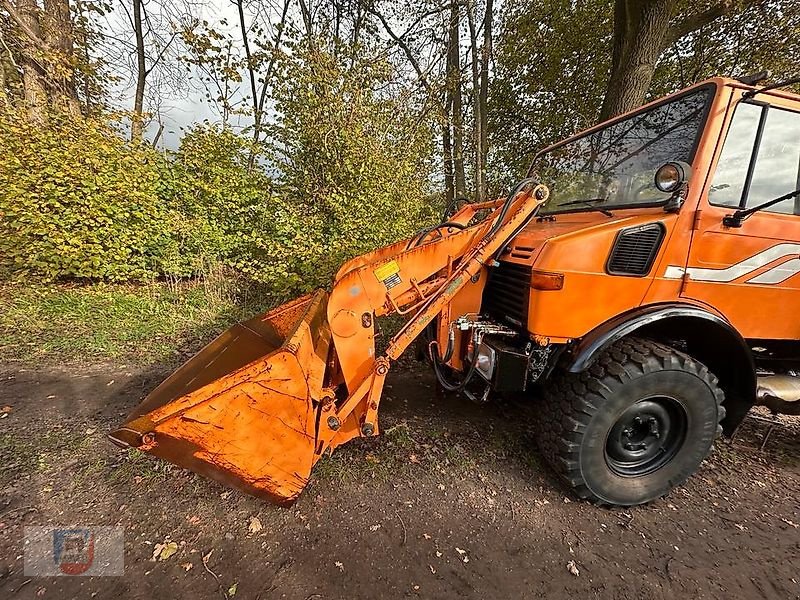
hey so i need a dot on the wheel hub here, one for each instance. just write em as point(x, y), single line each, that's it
point(646, 436)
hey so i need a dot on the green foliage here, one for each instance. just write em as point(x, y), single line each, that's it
point(351, 154)
point(347, 171)
point(229, 202)
point(758, 36)
point(76, 201)
point(552, 63)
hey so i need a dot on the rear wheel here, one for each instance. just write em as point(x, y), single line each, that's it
point(636, 424)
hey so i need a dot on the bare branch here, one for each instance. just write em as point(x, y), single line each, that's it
point(160, 55)
point(693, 22)
point(405, 48)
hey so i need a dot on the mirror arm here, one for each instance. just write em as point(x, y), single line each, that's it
point(740, 216)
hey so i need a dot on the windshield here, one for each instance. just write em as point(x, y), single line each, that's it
point(615, 166)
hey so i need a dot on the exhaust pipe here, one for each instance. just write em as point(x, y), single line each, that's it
point(779, 393)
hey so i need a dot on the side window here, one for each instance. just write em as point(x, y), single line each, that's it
point(756, 168)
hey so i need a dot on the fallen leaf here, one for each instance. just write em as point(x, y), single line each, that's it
point(165, 550)
point(194, 519)
point(572, 568)
point(340, 565)
point(187, 566)
point(426, 536)
point(255, 525)
point(232, 589)
point(438, 554)
point(6, 409)
point(413, 458)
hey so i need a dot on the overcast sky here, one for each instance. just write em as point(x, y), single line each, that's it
point(185, 105)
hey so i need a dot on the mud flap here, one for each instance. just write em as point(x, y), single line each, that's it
point(244, 410)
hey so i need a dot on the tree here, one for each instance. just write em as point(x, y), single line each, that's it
point(453, 100)
point(151, 60)
point(643, 30)
point(550, 77)
point(43, 40)
point(554, 71)
point(141, 71)
point(349, 150)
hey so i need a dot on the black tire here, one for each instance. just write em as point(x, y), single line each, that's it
point(588, 431)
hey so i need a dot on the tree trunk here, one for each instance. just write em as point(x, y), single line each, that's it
point(251, 70)
point(60, 41)
point(259, 116)
point(137, 125)
point(483, 96)
point(454, 88)
point(477, 121)
point(640, 30)
point(33, 74)
point(447, 152)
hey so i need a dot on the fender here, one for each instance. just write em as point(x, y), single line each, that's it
point(623, 325)
point(710, 338)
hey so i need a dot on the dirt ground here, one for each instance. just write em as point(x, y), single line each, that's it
point(451, 501)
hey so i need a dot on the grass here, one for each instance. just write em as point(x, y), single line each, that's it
point(55, 322)
point(22, 454)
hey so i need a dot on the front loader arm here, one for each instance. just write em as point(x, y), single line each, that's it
point(259, 405)
point(426, 278)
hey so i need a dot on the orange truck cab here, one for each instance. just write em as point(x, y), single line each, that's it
point(653, 261)
point(640, 287)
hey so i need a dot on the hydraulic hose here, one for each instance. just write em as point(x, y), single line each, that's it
point(440, 376)
point(433, 346)
point(503, 211)
point(420, 236)
point(438, 363)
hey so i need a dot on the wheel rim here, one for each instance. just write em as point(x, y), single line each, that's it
point(646, 436)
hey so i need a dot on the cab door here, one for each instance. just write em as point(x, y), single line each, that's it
point(751, 274)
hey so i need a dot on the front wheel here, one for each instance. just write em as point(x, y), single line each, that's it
point(636, 424)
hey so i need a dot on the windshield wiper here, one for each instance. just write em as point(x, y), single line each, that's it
point(590, 202)
point(740, 216)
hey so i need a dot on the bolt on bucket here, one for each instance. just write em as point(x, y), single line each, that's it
point(244, 410)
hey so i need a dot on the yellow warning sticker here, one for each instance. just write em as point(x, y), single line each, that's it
point(385, 271)
point(388, 274)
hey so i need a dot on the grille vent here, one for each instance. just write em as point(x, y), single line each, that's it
point(635, 250)
point(507, 293)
